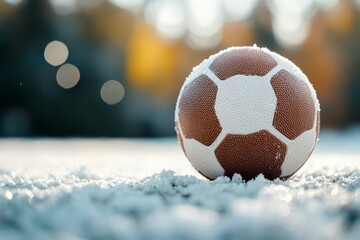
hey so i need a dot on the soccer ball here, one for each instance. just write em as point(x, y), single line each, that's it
point(247, 110)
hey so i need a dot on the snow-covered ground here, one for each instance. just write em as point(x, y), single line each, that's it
point(146, 189)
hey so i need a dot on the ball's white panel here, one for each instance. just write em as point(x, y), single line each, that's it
point(245, 104)
point(298, 152)
point(277, 134)
point(203, 158)
point(292, 68)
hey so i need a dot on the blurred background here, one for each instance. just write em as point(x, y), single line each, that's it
point(113, 68)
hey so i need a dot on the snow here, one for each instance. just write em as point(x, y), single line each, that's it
point(146, 189)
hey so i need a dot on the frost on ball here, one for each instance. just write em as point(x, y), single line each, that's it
point(247, 110)
point(244, 61)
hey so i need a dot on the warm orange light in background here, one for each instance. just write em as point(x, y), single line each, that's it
point(152, 62)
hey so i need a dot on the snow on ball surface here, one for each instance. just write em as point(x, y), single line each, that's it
point(247, 110)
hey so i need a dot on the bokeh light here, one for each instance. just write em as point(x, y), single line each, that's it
point(290, 31)
point(112, 92)
point(205, 23)
point(13, 2)
point(68, 76)
point(290, 21)
point(64, 6)
point(327, 4)
point(133, 5)
point(169, 17)
point(56, 53)
point(238, 10)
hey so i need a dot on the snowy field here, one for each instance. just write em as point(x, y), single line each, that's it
point(146, 189)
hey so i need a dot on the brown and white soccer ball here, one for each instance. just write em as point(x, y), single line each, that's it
point(247, 110)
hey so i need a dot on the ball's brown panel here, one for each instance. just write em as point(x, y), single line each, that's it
point(197, 111)
point(252, 154)
point(245, 61)
point(295, 107)
point(318, 124)
point(181, 141)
